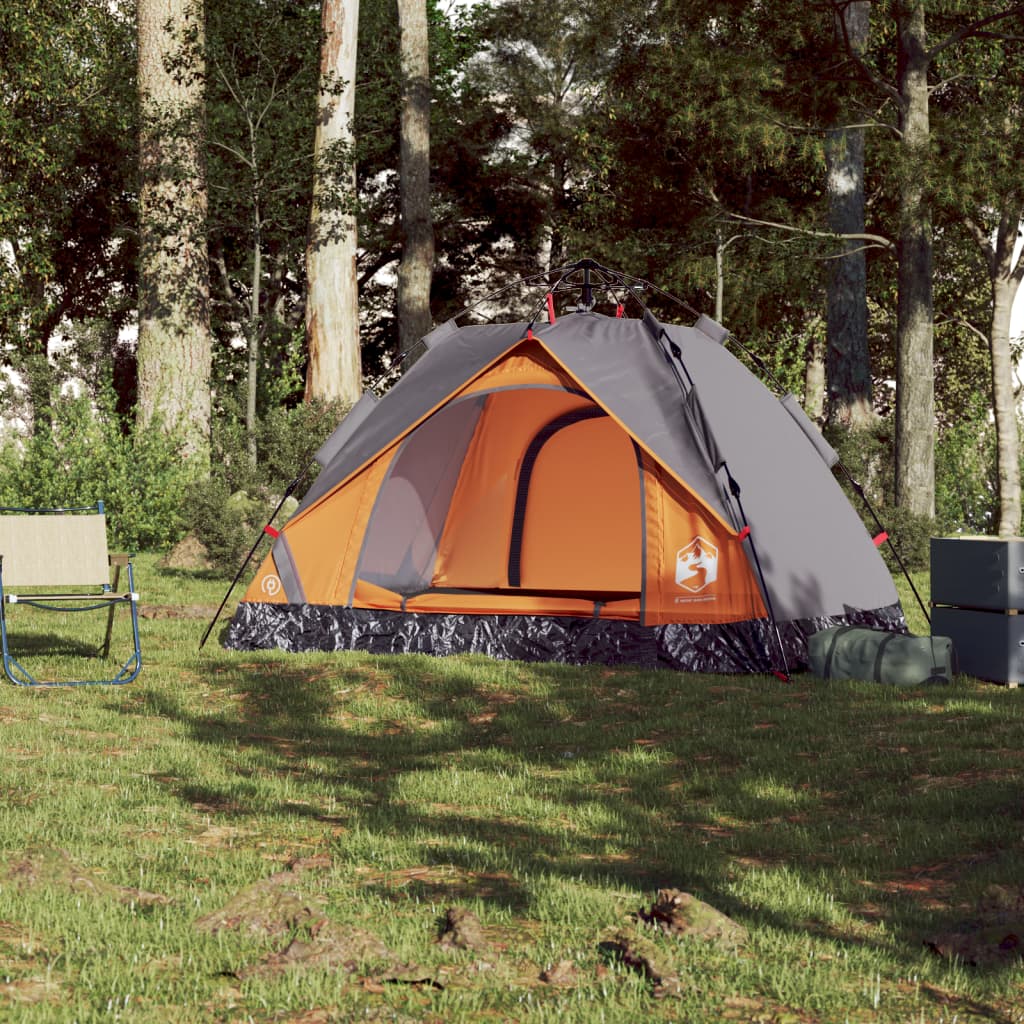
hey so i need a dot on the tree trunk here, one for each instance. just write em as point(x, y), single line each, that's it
point(417, 265)
point(848, 363)
point(334, 371)
point(1006, 278)
point(915, 375)
point(254, 332)
point(814, 379)
point(174, 347)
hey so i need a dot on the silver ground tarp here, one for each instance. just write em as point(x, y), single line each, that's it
point(730, 648)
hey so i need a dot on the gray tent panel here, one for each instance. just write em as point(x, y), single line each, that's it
point(400, 547)
point(287, 571)
point(828, 454)
point(421, 389)
point(348, 426)
point(440, 334)
point(817, 556)
point(714, 330)
point(622, 364)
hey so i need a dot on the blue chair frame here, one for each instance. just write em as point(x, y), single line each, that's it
point(59, 550)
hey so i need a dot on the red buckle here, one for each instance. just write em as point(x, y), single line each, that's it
point(271, 532)
point(880, 539)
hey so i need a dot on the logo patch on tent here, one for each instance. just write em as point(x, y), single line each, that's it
point(271, 586)
point(696, 565)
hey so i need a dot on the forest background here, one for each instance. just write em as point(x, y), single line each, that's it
point(838, 182)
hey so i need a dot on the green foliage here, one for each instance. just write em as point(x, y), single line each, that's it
point(263, 65)
point(228, 512)
point(911, 536)
point(86, 456)
point(67, 168)
point(226, 522)
point(868, 455)
point(966, 498)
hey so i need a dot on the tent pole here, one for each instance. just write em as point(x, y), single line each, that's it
point(252, 551)
point(892, 547)
point(734, 489)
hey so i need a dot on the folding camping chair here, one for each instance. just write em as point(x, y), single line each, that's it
point(60, 554)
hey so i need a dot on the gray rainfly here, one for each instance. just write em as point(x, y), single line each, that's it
point(593, 488)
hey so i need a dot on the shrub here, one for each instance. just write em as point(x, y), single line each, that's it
point(229, 511)
point(83, 456)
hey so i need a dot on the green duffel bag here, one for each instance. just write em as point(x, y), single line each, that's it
point(854, 652)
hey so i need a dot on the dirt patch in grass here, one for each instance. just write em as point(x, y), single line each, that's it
point(462, 930)
point(683, 916)
point(177, 611)
point(41, 988)
point(45, 867)
point(270, 906)
point(447, 880)
point(640, 954)
point(993, 936)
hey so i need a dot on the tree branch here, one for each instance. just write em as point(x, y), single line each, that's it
point(984, 243)
point(838, 8)
point(874, 241)
point(973, 29)
point(959, 322)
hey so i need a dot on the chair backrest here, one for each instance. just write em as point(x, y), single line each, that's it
point(48, 550)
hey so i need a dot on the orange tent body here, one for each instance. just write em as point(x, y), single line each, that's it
point(507, 504)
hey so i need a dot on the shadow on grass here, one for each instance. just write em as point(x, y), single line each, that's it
point(805, 808)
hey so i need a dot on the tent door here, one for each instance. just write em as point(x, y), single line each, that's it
point(578, 519)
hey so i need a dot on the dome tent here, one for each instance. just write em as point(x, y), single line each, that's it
point(592, 489)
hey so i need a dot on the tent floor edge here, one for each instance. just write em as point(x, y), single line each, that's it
point(729, 649)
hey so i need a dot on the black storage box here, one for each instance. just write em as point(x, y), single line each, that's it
point(977, 590)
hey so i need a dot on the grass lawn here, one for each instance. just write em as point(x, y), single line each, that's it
point(275, 837)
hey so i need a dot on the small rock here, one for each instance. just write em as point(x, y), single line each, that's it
point(462, 930)
point(642, 955)
point(684, 916)
point(564, 973)
point(188, 553)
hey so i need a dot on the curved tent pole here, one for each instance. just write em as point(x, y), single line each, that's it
point(675, 351)
point(883, 534)
point(267, 530)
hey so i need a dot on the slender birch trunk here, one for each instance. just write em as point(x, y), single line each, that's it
point(416, 269)
point(915, 372)
point(334, 371)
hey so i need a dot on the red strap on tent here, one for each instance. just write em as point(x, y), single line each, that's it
point(880, 539)
point(271, 532)
point(781, 676)
point(529, 334)
point(551, 308)
point(620, 311)
point(743, 534)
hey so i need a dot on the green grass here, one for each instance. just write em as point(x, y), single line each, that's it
point(841, 823)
